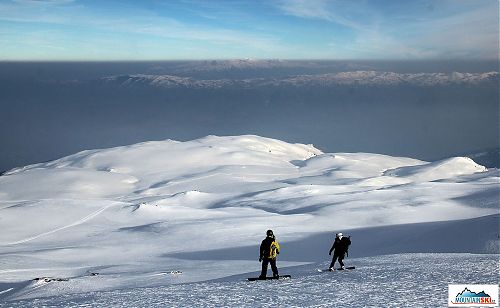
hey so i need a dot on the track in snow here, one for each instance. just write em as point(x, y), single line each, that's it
point(76, 223)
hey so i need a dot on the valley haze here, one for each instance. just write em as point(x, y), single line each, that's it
point(428, 110)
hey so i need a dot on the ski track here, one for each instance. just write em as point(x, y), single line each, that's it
point(76, 223)
point(5, 291)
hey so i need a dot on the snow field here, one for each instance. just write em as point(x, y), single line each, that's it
point(203, 206)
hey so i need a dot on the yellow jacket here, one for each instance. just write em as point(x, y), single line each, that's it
point(269, 248)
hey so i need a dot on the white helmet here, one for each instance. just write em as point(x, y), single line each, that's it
point(339, 234)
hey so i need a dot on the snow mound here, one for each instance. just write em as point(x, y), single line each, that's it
point(439, 170)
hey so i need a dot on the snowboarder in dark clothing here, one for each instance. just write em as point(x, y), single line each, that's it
point(269, 249)
point(340, 247)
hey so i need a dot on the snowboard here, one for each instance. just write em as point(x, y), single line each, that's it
point(270, 278)
point(337, 269)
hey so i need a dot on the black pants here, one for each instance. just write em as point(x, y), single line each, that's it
point(265, 261)
point(340, 256)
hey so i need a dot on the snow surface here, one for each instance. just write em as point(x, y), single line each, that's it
point(405, 280)
point(136, 213)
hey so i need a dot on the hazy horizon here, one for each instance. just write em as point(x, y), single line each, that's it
point(52, 110)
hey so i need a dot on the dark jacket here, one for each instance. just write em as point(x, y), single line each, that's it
point(341, 245)
point(269, 248)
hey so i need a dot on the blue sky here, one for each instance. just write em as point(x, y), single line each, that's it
point(216, 29)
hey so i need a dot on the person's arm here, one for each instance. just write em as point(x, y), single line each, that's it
point(261, 254)
point(277, 247)
point(331, 249)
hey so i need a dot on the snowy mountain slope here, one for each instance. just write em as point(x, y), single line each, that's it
point(128, 212)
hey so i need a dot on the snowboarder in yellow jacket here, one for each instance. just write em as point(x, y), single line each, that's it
point(269, 249)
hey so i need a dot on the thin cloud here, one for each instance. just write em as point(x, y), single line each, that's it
point(143, 22)
point(319, 9)
point(473, 33)
point(460, 29)
point(332, 29)
point(43, 2)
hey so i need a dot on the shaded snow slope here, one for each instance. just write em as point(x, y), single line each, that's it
point(130, 212)
point(477, 235)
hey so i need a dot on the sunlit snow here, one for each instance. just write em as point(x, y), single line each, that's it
point(138, 215)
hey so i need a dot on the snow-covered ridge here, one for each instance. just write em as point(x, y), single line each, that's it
point(207, 152)
point(238, 172)
point(364, 78)
point(166, 81)
point(393, 79)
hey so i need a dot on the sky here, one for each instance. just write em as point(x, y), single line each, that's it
point(90, 30)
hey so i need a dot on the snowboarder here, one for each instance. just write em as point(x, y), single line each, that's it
point(340, 247)
point(269, 249)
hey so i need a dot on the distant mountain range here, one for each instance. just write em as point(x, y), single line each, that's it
point(351, 78)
